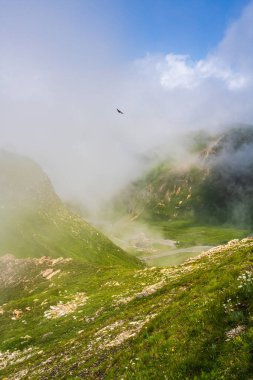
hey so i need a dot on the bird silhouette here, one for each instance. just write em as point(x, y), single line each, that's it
point(119, 111)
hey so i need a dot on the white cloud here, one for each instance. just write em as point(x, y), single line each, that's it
point(178, 71)
point(23, 85)
point(236, 48)
point(64, 116)
point(231, 64)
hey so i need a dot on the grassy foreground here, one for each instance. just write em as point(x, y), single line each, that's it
point(65, 319)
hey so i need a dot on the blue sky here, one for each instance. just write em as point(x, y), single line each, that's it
point(132, 28)
point(191, 27)
point(171, 66)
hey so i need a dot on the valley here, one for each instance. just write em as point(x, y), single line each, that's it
point(152, 243)
point(157, 294)
point(126, 190)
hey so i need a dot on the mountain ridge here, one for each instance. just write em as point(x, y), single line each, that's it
point(34, 222)
point(215, 187)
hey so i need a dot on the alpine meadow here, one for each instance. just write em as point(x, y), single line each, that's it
point(126, 190)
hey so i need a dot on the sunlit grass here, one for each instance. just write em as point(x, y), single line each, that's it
point(188, 232)
point(192, 316)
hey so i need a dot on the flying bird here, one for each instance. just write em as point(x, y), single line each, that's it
point(119, 111)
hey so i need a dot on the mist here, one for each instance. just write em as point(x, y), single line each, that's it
point(63, 72)
point(226, 192)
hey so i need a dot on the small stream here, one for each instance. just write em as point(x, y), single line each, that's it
point(148, 246)
point(161, 252)
point(194, 249)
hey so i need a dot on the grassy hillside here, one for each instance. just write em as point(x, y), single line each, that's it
point(73, 305)
point(206, 198)
point(34, 222)
point(66, 319)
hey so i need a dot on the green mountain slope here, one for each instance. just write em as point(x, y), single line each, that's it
point(34, 222)
point(74, 306)
point(65, 320)
point(205, 198)
point(215, 186)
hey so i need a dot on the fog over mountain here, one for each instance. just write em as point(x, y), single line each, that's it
point(60, 86)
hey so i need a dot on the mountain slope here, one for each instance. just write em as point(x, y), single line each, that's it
point(189, 322)
point(209, 190)
point(226, 192)
point(214, 184)
point(96, 313)
point(34, 222)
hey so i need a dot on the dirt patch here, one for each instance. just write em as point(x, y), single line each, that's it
point(117, 333)
point(63, 309)
point(9, 358)
point(147, 291)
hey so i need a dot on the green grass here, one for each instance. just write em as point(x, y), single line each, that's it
point(205, 189)
point(137, 323)
point(56, 233)
point(172, 259)
point(188, 235)
point(34, 222)
point(188, 232)
point(186, 337)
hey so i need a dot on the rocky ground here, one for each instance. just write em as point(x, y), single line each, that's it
point(59, 317)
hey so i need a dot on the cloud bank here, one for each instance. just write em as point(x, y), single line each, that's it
point(59, 91)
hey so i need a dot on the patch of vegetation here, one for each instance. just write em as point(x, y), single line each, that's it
point(189, 322)
point(189, 233)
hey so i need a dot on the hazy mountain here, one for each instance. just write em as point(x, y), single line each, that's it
point(96, 313)
point(212, 183)
point(34, 222)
